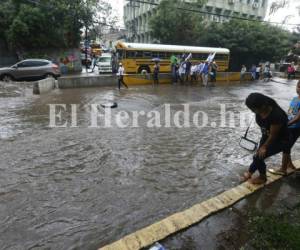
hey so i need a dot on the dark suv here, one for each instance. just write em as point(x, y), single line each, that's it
point(30, 69)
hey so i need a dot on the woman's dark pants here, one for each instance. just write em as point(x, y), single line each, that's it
point(259, 163)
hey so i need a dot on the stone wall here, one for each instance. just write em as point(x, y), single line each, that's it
point(69, 60)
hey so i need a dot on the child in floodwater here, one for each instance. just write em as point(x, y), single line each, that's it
point(294, 129)
point(275, 135)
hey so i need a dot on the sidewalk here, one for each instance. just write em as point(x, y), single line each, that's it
point(272, 211)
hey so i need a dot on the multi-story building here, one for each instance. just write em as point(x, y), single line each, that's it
point(138, 13)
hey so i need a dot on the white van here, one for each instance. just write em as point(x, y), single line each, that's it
point(104, 63)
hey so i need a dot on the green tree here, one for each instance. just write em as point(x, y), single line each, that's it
point(174, 24)
point(249, 42)
point(7, 12)
point(39, 24)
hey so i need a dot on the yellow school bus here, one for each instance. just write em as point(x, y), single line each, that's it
point(96, 49)
point(137, 58)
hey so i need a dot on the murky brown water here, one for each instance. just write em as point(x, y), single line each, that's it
point(81, 188)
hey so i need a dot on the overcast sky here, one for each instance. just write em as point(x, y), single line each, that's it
point(279, 16)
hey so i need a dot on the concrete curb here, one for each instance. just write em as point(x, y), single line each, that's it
point(43, 86)
point(87, 81)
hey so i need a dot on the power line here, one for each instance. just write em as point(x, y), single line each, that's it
point(219, 15)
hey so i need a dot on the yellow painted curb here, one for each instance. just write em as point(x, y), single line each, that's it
point(182, 220)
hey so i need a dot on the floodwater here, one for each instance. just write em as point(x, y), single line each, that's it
point(82, 187)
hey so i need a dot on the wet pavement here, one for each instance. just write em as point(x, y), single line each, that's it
point(229, 229)
point(82, 188)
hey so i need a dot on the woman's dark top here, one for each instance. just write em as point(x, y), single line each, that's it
point(276, 117)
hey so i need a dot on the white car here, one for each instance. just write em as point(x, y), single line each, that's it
point(104, 64)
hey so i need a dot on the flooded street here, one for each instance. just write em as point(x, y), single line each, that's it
point(82, 188)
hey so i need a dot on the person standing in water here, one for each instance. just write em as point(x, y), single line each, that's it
point(94, 62)
point(272, 120)
point(243, 73)
point(204, 73)
point(156, 72)
point(120, 75)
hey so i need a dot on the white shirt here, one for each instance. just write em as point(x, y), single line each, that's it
point(194, 69)
point(182, 68)
point(121, 71)
point(266, 69)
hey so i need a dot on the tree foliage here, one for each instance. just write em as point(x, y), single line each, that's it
point(29, 24)
point(172, 24)
point(249, 41)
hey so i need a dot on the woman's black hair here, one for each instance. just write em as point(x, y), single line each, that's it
point(258, 100)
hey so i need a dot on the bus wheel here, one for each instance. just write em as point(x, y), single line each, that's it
point(145, 68)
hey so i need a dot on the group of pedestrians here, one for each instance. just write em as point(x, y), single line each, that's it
point(279, 130)
point(258, 72)
point(263, 72)
point(185, 71)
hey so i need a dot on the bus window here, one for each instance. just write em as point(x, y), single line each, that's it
point(138, 54)
point(155, 54)
point(130, 54)
point(221, 57)
point(162, 55)
point(202, 56)
point(169, 54)
point(147, 54)
point(196, 56)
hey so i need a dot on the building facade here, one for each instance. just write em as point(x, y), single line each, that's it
point(137, 14)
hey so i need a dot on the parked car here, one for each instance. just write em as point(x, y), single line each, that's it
point(30, 69)
point(104, 63)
